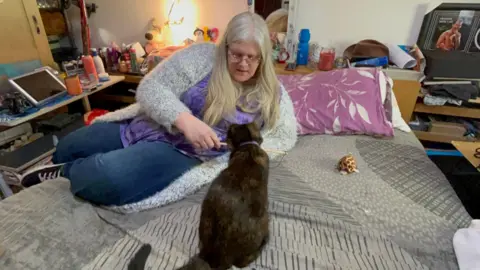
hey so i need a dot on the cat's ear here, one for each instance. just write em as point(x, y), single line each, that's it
point(254, 131)
point(231, 133)
point(232, 128)
point(229, 143)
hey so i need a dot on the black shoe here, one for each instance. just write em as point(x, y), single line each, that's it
point(40, 174)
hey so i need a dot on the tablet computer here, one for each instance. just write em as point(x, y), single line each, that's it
point(39, 87)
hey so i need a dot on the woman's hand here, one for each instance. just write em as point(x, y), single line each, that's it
point(199, 134)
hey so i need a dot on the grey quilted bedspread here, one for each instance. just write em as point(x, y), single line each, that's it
point(399, 212)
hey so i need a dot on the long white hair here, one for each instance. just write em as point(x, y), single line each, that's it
point(262, 91)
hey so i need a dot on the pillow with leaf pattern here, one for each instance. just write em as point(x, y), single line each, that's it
point(344, 101)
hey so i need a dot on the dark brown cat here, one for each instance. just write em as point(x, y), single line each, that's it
point(234, 220)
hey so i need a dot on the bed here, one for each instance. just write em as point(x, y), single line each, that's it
point(398, 212)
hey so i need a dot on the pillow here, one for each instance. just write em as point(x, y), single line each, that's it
point(346, 101)
point(386, 85)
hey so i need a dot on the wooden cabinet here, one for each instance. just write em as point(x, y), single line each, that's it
point(472, 112)
point(22, 36)
point(406, 93)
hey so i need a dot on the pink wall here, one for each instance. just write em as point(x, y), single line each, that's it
point(126, 21)
point(219, 12)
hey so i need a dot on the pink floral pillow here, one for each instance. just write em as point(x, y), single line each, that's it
point(346, 101)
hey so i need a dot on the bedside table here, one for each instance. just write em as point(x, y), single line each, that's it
point(468, 150)
point(463, 177)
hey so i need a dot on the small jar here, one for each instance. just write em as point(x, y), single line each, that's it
point(314, 55)
point(327, 59)
point(341, 62)
point(73, 85)
point(123, 68)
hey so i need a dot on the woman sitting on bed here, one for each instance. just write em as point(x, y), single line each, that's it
point(173, 132)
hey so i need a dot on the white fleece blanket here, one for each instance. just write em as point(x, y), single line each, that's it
point(466, 243)
point(282, 137)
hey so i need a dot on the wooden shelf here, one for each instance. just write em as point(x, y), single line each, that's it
point(47, 109)
point(115, 98)
point(448, 110)
point(437, 137)
point(280, 70)
point(475, 101)
point(468, 151)
point(129, 78)
point(133, 78)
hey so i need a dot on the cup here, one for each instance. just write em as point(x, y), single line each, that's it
point(327, 59)
point(73, 85)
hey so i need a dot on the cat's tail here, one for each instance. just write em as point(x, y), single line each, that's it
point(196, 263)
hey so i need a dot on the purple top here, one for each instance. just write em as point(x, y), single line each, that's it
point(144, 129)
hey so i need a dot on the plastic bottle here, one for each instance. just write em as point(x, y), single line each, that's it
point(89, 66)
point(251, 8)
point(133, 60)
point(98, 61)
point(103, 55)
point(122, 67)
point(126, 58)
point(80, 68)
point(112, 61)
point(129, 66)
point(302, 53)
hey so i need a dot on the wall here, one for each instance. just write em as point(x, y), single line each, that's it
point(126, 21)
point(340, 23)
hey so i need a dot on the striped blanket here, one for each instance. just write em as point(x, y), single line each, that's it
point(399, 212)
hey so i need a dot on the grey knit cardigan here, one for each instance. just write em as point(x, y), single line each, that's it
point(158, 97)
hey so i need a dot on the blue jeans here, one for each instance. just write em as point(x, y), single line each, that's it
point(102, 171)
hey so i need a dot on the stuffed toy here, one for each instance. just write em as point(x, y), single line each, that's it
point(213, 34)
point(206, 34)
point(347, 165)
point(90, 116)
point(206, 37)
point(277, 21)
point(153, 36)
point(199, 35)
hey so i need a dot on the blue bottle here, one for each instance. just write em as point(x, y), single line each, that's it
point(302, 53)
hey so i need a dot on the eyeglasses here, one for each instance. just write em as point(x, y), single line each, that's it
point(237, 58)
